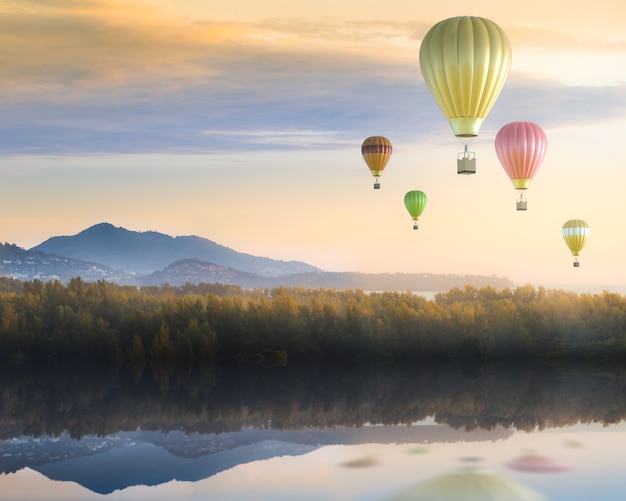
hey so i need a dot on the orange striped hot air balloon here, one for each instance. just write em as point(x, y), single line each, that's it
point(376, 151)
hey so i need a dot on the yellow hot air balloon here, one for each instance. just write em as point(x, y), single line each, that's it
point(376, 151)
point(465, 62)
point(415, 203)
point(575, 233)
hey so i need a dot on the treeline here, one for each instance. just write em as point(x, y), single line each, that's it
point(213, 324)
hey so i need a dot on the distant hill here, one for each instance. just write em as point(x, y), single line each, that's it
point(398, 282)
point(21, 264)
point(105, 252)
point(146, 252)
point(195, 271)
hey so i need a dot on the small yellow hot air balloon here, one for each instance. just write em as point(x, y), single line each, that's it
point(376, 151)
point(575, 233)
point(465, 62)
point(415, 203)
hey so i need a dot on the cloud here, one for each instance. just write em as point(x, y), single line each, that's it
point(554, 104)
point(102, 77)
point(87, 50)
point(562, 40)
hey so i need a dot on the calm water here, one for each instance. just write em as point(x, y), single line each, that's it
point(370, 433)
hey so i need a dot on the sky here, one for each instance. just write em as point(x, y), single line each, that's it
point(242, 122)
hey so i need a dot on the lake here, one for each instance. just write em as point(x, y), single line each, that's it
point(431, 431)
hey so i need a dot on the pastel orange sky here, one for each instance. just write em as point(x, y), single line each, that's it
point(242, 121)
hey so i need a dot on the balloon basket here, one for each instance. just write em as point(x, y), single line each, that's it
point(576, 264)
point(466, 164)
point(377, 185)
point(522, 205)
point(415, 226)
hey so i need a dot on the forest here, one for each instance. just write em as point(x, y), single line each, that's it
point(96, 357)
point(210, 325)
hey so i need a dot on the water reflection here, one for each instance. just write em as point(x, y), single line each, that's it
point(467, 485)
point(538, 463)
point(313, 433)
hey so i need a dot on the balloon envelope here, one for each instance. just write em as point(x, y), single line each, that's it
point(465, 61)
point(575, 233)
point(415, 203)
point(521, 148)
point(376, 151)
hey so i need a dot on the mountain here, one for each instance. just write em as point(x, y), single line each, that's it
point(146, 252)
point(105, 252)
point(21, 264)
point(195, 271)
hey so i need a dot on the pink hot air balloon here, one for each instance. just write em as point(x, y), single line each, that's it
point(521, 147)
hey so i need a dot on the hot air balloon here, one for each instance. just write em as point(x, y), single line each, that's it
point(415, 202)
point(575, 233)
point(521, 147)
point(376, 151)
point(465, 61)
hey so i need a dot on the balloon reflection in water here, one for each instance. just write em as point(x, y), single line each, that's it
point(538, 464)
point(469, 485)
point(364, 462)
point(575, 444)
point(418, 450)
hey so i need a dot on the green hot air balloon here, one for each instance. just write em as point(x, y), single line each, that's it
point(415, 202)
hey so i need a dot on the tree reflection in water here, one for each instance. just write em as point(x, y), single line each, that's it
point(90, 400)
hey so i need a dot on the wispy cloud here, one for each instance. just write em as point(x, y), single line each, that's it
point(298, 138)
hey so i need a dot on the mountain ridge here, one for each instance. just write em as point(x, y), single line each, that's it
point(150, 251)
point(174, 261)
